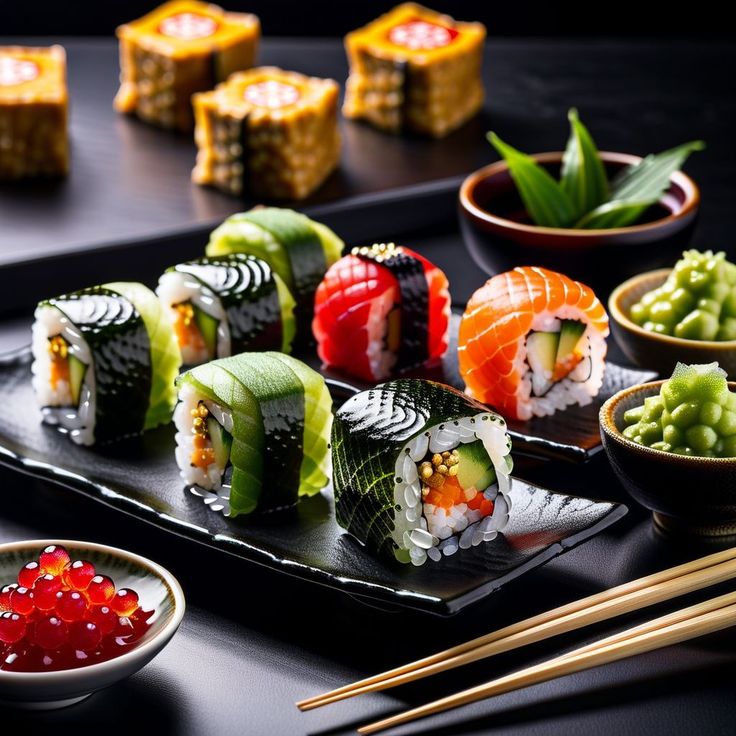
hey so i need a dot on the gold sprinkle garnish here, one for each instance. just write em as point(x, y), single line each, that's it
point(436, 459)
point(453, 470)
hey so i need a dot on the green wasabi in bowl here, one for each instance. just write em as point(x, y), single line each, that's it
point(694, 414)
point(696, 302)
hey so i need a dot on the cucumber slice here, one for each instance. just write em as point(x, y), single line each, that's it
point(475, 469)
point(541, 354)
point(77, 371)
point(221, 440)
point(570, 333)
point(207, 325)
point(332, 245)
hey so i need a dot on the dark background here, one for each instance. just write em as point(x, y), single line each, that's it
point(622, 18)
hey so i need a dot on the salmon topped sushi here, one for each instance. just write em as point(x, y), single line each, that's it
point(532, 342)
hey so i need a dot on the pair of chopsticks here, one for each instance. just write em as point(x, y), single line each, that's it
point(710, 616)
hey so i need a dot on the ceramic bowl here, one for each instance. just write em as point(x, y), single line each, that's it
point(499, 236)
point(660, 352)
point(158, 590)
point(687, 495)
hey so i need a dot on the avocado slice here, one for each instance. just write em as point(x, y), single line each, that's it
point(566, 359)
point(475, 469)
point(221, 441)
point(77, 371)
point(207, 325)
point(541, 354)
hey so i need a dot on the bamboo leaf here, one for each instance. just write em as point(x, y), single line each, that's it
point(649, 179)
point(544, 198)
point(583, 173)
point(616, 213)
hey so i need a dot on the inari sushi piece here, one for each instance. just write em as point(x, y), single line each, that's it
point(420, 470)
point(381, 309)
point(297, 248)
point(104, 362)
point(253, 431)
point(532, 342)
point(226, 305)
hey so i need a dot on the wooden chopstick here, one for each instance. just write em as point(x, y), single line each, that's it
point(630, 596)
point(651, 636)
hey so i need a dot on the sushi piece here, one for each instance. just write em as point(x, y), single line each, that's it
point(268, 132)
point(180, 48)
point(104, 362)
point(34, 112)
point(298, 249)
point(381, 309)
point(415, 70)
point(252, 432)
point(532, 342)
point(420, 470)
point(226, 305)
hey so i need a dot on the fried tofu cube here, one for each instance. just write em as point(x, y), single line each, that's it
point(268, 132)
point(415, 70)
point(33, 112)
point(180, 48)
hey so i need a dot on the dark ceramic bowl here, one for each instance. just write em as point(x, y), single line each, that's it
point(499, 235)
point(687, 495)
point(660, 352)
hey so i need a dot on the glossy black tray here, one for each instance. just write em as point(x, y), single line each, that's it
point(139, 476)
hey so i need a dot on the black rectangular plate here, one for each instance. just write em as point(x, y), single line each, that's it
point(139, 476)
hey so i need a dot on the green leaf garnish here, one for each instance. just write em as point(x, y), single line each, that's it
point(584, 198)
point(544, 198)
point(583, 173)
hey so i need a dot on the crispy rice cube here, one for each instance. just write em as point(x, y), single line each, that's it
point(414, 69)
point(180, 48)
point(268, 132)
point(34, 107)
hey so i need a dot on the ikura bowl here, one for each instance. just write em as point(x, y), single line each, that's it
point(688, 496)
point(158, 590)
point(499, 235)
point(660, 352)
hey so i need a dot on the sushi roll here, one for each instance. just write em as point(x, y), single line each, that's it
point(104, 362)
point(532, 342)
point(298, 249)
point(381, 309)
point(420, 470)
point(226, 305)
point(252, 432)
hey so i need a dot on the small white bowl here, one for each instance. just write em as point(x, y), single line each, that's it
point(158, 590)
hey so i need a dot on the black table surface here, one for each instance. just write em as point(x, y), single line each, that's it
point(252, 641)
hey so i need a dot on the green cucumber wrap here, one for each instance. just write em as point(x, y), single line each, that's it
point(379, 436)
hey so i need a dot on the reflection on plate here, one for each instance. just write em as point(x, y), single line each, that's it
point(139, 476)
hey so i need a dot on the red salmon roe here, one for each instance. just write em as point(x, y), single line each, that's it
point(21, 601)
point(45, 590)
point(105, 618)
point(84, 636)
point(28, 574)
point(5, 596)
point(124, 602)
point(71, 605)
point(50, 633)
point(100, 590)
point(12, 627)
point(123, 629)
point(54, 559)
point(79, 574)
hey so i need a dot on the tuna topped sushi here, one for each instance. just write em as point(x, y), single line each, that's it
point(380, 310)
point(253, 432)
point(225, 305)
point(104, 362)
point(531, 342)
point(420, 470)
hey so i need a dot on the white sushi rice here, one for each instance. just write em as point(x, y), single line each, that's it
point(55, 404)
point(419, 527)
point(380, 358)
point(175, 288)
point(207, 483)
point(581, 385)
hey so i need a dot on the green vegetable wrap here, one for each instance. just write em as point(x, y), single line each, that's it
point(252, 432)
point(420, 470)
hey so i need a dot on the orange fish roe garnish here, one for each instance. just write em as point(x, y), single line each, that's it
point(185, 327)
